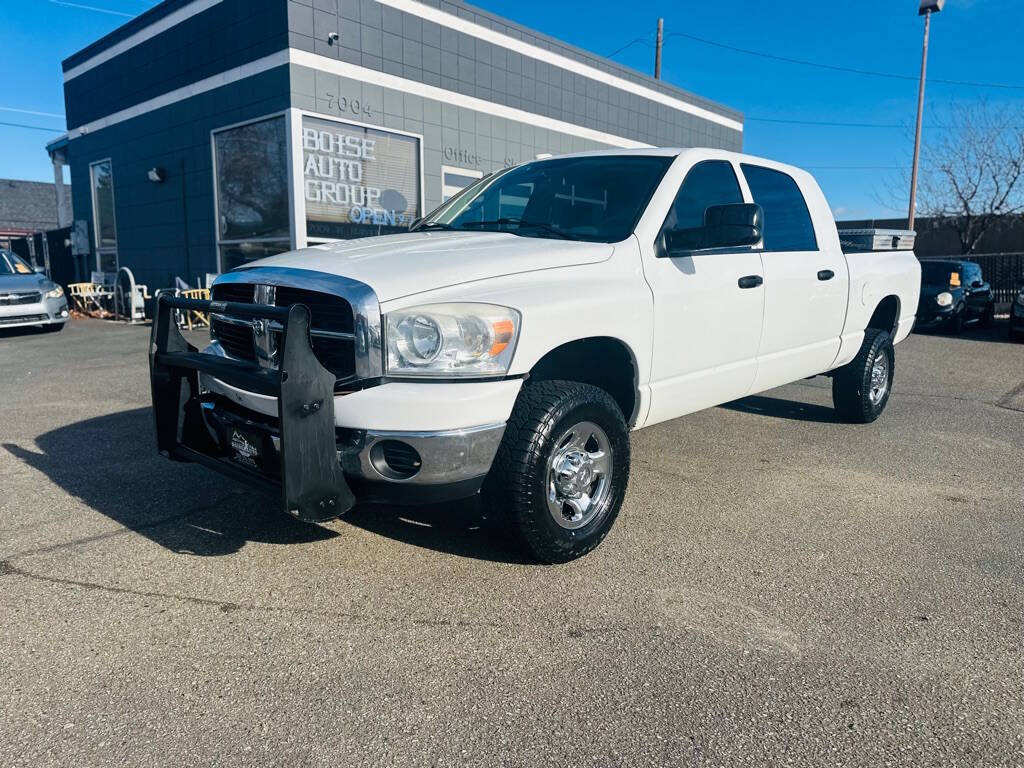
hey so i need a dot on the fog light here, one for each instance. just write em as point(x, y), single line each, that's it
point(395, 460)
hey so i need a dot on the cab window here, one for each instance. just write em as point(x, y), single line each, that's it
point(787, 222)
point(712, 182)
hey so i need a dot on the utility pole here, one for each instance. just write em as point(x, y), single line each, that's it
point(657, 49)
point(926, 9)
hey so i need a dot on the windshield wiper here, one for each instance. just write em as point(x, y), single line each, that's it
point(520, 224)
point(433, 225)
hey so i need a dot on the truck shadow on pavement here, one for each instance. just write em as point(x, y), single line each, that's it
point(110, 463)
point(780, 408)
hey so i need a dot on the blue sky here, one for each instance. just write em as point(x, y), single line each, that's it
point(972, 40)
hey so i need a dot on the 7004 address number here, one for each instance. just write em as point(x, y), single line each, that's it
point(343, 104)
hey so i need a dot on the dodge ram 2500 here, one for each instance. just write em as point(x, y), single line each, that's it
point(511, 340)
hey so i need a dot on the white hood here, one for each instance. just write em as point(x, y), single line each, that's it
point(400, 265)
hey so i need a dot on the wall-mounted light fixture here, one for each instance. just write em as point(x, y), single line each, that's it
point(156, 175)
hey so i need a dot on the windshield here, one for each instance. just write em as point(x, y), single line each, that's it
point(595, 198)
point(939, 273)
point(11, 264)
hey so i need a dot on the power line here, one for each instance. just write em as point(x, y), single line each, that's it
point(837, 68)
point(854, 167)
point(30, 112)
point(92, 8)
point(32, 127)
point(642, 39)
point(835, 123)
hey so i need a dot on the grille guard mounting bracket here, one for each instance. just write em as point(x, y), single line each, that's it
point(312, 485)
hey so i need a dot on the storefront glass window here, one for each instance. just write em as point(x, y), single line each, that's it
point(252, 181)
point(235, 254)
point(358, 181)
point(252, 191)
point(103, 200)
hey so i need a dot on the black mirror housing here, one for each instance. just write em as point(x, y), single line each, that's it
point(735, 225)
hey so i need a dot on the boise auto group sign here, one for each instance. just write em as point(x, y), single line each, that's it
point(358, 181)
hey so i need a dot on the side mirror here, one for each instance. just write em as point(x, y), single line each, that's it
point(977, 284)
point(725, 226)
point(40, 270)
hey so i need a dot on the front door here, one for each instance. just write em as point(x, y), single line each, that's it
point(707, 327)
point(806, 284)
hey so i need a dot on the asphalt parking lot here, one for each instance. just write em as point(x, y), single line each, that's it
point(779, 588)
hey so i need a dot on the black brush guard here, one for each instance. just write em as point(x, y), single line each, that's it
point(312, 485)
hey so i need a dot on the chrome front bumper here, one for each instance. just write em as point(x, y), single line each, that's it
point(446, 458)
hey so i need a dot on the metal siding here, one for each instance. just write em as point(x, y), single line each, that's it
point(150, 217)
point(227, 35)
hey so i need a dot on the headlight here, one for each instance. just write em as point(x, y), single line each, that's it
point(451, 340)
point(944, 299)
point(56, 293)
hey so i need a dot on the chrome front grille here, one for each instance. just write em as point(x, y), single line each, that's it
point(13, 299)
point(332, 326)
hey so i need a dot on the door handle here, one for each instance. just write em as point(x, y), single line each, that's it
point(750, 281)
point(826, 274)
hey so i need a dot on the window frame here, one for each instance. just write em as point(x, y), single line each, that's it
point(290, 238)
point(473, 173)
point(807, 210)
point(103, 250)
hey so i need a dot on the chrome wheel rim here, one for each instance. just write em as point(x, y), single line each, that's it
point(879, 378)
point(579, 476)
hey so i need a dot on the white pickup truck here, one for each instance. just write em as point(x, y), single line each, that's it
point(510, 341)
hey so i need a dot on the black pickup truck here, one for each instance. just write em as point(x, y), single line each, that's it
point(953, 292)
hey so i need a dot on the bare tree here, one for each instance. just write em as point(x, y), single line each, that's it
point(972, 171)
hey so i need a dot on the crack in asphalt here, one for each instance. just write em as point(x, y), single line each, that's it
point(122, 530)
point(7, 568)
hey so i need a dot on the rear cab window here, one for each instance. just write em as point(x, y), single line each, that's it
point(787, 220)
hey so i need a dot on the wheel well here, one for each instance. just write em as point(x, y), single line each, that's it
point(602, 361)
point(886, 315)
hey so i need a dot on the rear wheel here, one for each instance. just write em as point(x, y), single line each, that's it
point(861, 388)
point(560, 474)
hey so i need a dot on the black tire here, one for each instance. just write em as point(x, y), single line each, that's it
point(516, 490)
point(988, 317)
point(852, 384)
point(956, 323)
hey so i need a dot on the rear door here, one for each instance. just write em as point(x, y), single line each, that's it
point(806, 281)
point(707, 327)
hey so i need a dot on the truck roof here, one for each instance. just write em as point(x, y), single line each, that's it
point(707, 152)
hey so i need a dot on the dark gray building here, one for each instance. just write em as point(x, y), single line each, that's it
point(205, 133)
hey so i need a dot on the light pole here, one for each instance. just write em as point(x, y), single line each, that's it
point(926, 9)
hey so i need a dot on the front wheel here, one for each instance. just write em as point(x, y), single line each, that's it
point(560, 474)
point(956, 323)
point(988, 317)
point(860, 389)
